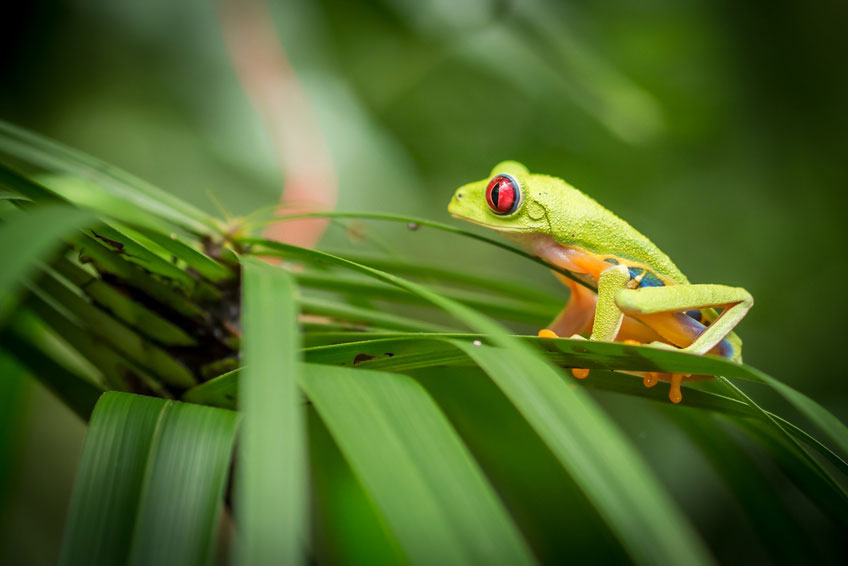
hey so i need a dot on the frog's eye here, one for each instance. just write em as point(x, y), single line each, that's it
point(502, 194)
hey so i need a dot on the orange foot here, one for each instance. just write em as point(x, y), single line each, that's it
point(674, 393)
point(580, 373)
point(576, 372)
point(650, 378)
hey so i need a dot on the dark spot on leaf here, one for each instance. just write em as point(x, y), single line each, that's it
point(119, 246)
point(362, 357)
point(389, 354)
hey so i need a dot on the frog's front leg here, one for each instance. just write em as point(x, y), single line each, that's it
point(735, 303)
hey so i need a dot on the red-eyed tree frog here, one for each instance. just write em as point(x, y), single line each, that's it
point(642, 297)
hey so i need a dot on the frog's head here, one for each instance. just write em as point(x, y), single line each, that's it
point(504, 201)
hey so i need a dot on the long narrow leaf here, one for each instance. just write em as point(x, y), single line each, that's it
point(76, 392)
point(422, 478)
point(120, 187)
point(270, 502)
point(596, 456)
point(123, 307)
point(27, 238)
point(397, 351)
point(150, 485)
point(116, 334)
point(109, 479)
point(180, 502)
point(641, 517)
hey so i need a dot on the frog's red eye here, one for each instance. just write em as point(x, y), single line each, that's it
point(502, 194)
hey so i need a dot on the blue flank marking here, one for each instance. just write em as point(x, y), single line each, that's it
point(611, 260)
point(635, 272)
point(694, 314)
point(651, 280)
point(725, 349)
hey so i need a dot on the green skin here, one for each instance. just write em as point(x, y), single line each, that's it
point(562, 225)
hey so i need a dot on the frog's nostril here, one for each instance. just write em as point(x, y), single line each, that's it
point(458, 196)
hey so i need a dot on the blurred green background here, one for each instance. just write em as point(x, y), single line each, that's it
point(715, 128)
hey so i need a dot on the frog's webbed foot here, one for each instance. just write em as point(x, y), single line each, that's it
point(649, 378)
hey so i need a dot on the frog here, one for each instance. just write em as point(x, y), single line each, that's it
point(623, 288)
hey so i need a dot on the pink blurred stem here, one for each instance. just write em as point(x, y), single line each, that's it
point(309, 178)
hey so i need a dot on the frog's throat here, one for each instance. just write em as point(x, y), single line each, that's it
point(490, 227)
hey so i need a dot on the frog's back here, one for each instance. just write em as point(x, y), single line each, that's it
point(584, 224)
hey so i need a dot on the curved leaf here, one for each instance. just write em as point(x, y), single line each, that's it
point(29, 236)
point(422, 478)
point(643, 520)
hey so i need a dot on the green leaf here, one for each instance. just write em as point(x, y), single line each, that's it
point(418, 223)
point(27, 238)
point(500, 307)
point(109, 479)
point(781, 535)
point(115, 333)
point(397, 351)
point(197, 260)
point(79, 394)
point(98, 184)
point(602, 461)
point(818, 415)
point(107, 260)
point(432, 494)
point(271, 489)
point(817, 485)
point(180, 503)
point(221, 391)
point(792, 446)
point(342, 311)
point(135, 252)
point(434, 273)
point(119, 373)
point(123, 307)
point(150, 484)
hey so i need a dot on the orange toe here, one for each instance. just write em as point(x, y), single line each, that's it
point(650, 378)
point(580, 373)
point(674, 393)
point(630, 342)
point(545, 333)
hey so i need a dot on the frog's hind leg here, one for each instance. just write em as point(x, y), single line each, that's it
point(576, 317)
point(662, 308)
point(650, 302)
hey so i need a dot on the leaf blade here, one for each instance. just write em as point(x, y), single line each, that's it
point(35, 234)
point(421, 476)
point(179, 505)
point(269, 504)
point(101, 516)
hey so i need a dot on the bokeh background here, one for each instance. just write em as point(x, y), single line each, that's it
point(717, 128)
